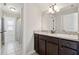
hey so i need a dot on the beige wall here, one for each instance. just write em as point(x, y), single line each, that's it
point(31, 22)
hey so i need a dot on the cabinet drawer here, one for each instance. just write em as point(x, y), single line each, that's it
point(49, 38)
point(67, 51)
point(53, 39)
point(42, 37)
point(70, 44)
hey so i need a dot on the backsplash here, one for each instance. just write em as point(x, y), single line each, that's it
point(47, 22)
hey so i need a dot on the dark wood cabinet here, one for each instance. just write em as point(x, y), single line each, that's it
point(67, 47)
point(42, 47)
point(36, 42)
point(47, 45)
point(52, 48)
point(66, 51)
point(70, 44)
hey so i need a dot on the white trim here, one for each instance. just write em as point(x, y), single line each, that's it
point(30, 52)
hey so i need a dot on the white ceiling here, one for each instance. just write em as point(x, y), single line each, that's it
point(41, 6)
point(45, 6)
point(17, 6)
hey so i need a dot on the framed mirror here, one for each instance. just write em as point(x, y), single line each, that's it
point(70, 22)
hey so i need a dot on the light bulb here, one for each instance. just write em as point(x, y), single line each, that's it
point(50, 10)
point(56, 8)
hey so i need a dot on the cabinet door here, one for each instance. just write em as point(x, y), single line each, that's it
point(52, 48)
point(36, 46)
point(41, 47)
point(66, 51)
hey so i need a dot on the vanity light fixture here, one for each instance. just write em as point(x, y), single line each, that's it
point(12, 9)
point(53, 8)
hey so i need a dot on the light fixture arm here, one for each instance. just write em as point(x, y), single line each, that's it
point(52, 8)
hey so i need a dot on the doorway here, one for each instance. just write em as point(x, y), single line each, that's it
point(10, 30)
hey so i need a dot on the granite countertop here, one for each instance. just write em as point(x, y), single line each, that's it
point(64, 36)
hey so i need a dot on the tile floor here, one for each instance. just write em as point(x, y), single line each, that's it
point(12, 48)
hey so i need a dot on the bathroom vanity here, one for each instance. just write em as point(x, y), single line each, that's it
point(56, 44)
point(66, 21)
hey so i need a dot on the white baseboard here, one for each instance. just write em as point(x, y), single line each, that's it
point(31, 52)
